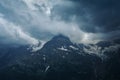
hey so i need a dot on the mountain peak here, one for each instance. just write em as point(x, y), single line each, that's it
point(60, 37)
point(58, 41)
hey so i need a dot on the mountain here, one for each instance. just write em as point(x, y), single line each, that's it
point(61, 59)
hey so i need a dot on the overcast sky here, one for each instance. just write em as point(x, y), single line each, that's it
point(27, 21)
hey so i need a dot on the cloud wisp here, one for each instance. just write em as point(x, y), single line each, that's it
point(14, 33)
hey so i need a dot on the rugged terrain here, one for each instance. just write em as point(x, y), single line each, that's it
point(61, 59)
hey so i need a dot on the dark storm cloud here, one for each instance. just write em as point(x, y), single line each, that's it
point(28, 21)
point(92, 15)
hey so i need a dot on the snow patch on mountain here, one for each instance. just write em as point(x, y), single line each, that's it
point(94, 49)
point(73, 47)
point(63, 49)
point(97, 50)
point(47, 68)
point(113, 48)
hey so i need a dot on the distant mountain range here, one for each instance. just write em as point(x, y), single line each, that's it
point(61, 59)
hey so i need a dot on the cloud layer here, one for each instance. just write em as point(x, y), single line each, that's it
point(27, 21)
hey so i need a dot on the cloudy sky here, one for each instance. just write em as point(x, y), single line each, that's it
point(27, 21)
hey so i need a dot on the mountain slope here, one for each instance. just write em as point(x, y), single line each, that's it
point(60, 59)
